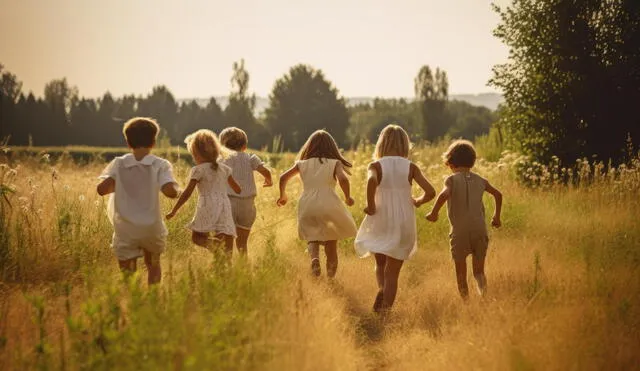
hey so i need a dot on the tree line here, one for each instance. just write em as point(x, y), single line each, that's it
point(302, 101)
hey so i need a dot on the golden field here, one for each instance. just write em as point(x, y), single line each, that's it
point(564, 282)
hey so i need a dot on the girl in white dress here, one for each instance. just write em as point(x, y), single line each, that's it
point(322, 218)
point(213, 212)
point(389, 228)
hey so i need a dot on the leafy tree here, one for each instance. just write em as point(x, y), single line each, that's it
point(10, 89)
point(59, 97)
point(432, 92)
point(571, 82)
point(162, 106)
point(303, 101)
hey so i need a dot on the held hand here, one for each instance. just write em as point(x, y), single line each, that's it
point(495, 222)
point(370, 210)
point(267, 183)
point(349, 201)
point(282, 200)
point(171, 215)
point(432, 217)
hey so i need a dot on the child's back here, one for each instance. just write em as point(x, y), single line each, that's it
point(464, 206)
point(392, 230)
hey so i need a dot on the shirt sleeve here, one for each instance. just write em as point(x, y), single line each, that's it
point(165, 175)
point(226, 170)
point(255, 162)
point(195, 173)
point(110, 171)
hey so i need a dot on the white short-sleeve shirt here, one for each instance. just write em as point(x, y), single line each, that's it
point(136, 202)
point(243, 165)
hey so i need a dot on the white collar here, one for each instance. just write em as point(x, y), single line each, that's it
point(129, 160)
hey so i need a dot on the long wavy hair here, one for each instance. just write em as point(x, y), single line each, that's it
point(204, 143)
point(321, 145)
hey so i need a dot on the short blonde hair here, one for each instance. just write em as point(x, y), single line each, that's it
point(234, 138)
point(140, 132)
point(205, 143)
point(460, 153)
point(393, 140)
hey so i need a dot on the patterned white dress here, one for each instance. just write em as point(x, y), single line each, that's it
point(213, 212)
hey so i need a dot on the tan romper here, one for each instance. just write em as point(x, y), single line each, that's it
point(466, 215)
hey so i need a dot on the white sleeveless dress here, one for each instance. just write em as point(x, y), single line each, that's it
point(392, 229)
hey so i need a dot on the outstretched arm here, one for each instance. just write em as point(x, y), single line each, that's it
point(497, 195)
point(183, 198)
point(372, 186)
point(343, 180)
point(266, 173)
point(440, 201)
point(106, 186)
point(429, 191)
point(284, 179)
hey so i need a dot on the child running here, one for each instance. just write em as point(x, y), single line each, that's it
point(463, 194)
point(322, 219)
point(389, 228)
point(135, 181)
point(243, 165)
point(213, 212)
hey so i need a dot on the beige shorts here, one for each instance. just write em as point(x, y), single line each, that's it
point(244, 211)
point(465, 245)
point(128, 247)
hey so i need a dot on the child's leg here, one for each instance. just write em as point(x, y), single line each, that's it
point(391, 273)
point(127, 266)
point(152, 261)
point(331, 250)
point(314, 254)
point(381, 262)
point(228, 244)
point(478, 273)
point(242, 240)
point(461, 277)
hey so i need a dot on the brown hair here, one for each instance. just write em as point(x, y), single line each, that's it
point(322, 145)
point(393, 141)
point(140, 132)
point(205, 143)
point(460, 154)
point(233, 138)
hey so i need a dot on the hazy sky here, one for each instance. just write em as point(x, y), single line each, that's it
point(366, 48)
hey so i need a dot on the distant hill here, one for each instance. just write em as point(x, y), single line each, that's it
point(489, 100)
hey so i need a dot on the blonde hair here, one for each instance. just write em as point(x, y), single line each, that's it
point(460, 153)
point(322, 145)
point(233, 138)
point(393, 141)
point(205, 143)
point(140, 132)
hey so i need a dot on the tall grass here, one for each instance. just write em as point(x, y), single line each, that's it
point(564, 283)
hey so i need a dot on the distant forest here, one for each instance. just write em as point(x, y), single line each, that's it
point(302, 101)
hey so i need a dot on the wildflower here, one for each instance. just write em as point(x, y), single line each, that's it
point(81, 198)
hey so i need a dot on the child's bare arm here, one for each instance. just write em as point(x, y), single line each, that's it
point(284, 179)
point(266, 173)
point(429, 191)
point(183, 198)
point(234, 185)
point(343, 180)
point(170, 190)
point(497, 195)
point(440, 201)
point(106, 186)
point(372, 186)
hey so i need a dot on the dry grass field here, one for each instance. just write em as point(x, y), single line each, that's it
point(564, 283)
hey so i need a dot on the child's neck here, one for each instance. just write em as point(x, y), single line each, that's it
point(139, 153)
point(461, 169)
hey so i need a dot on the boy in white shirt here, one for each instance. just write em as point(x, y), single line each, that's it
point(243, 165)
point(134, 182)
